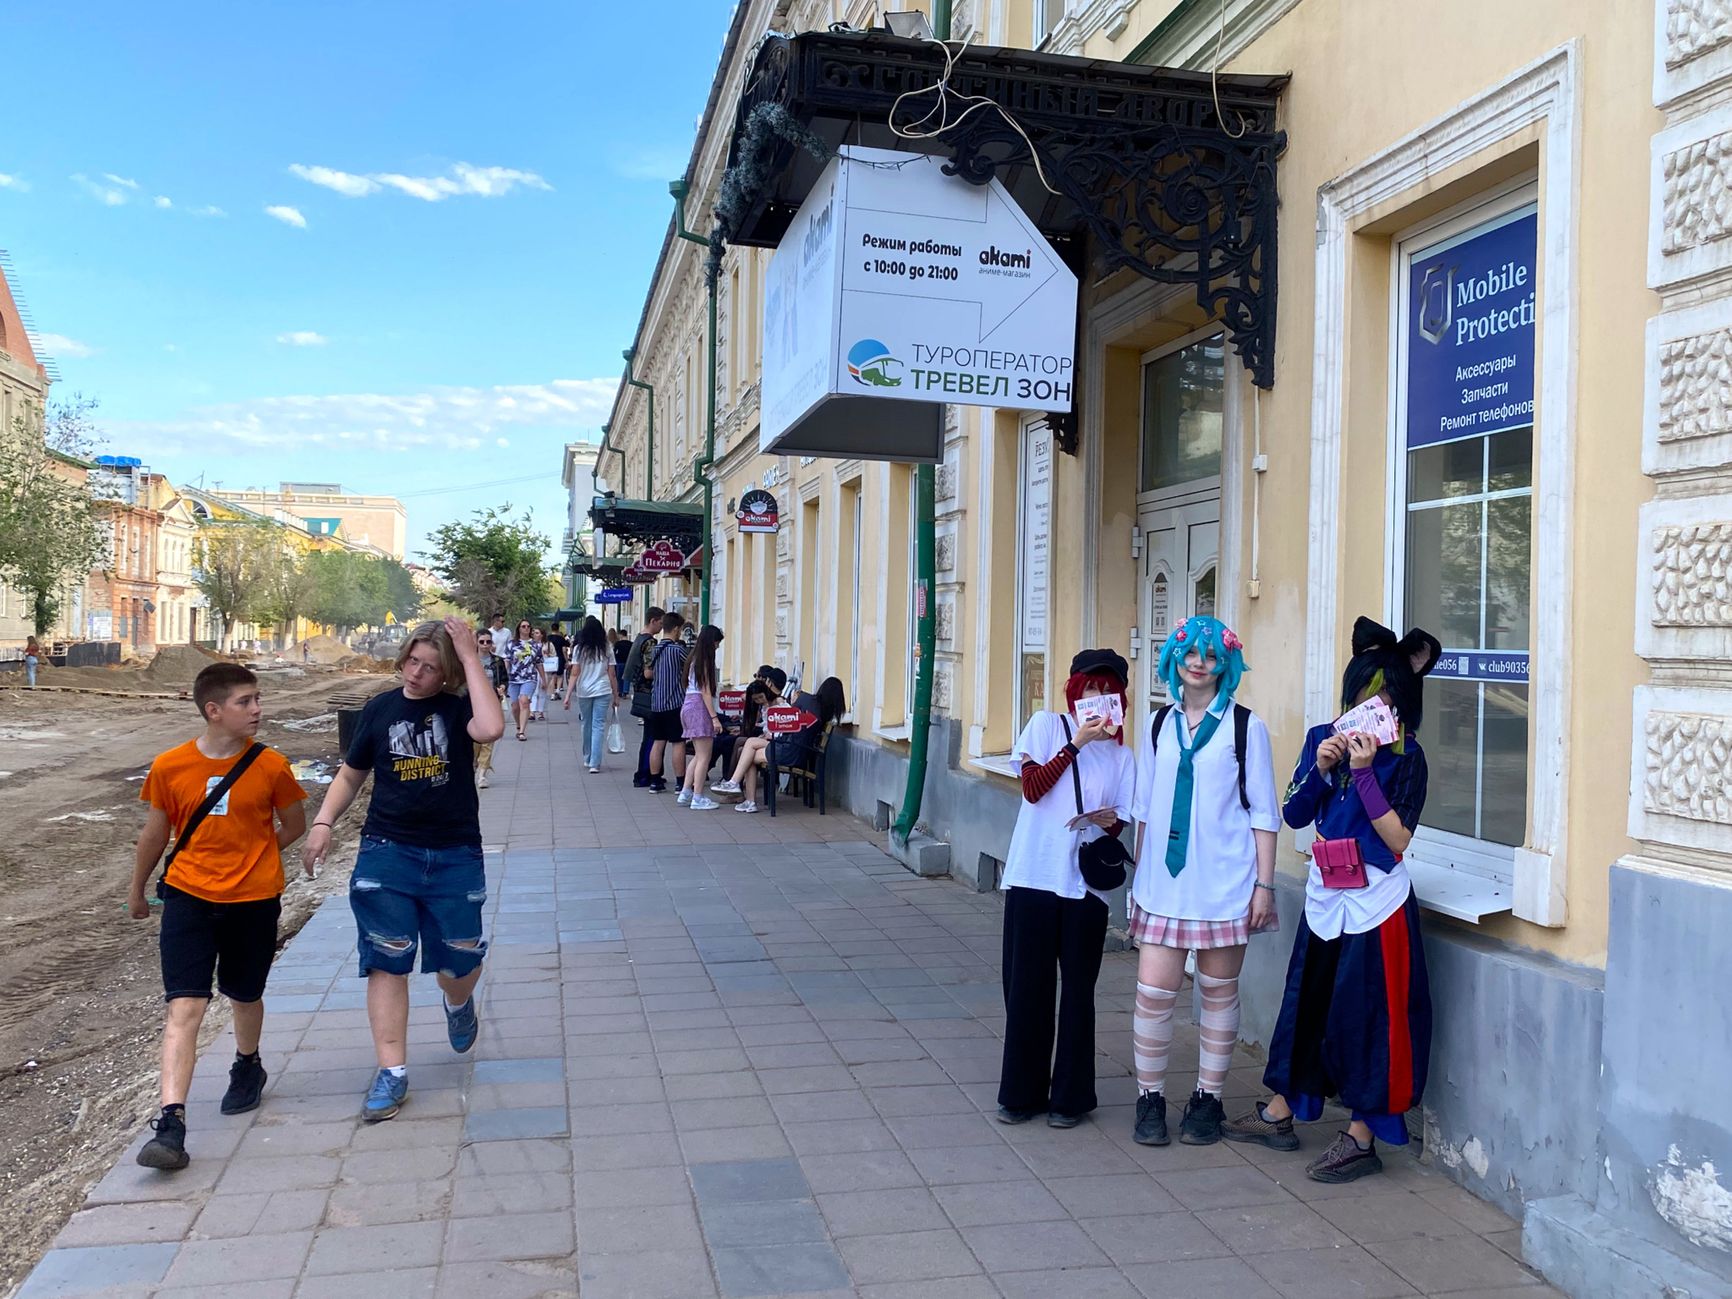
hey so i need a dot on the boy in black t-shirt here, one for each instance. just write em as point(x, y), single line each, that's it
point(418, 878)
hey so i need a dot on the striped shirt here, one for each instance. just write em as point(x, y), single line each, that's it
point(669, 691)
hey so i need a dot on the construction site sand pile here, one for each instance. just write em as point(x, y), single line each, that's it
point(174, 667)
point(325, 650)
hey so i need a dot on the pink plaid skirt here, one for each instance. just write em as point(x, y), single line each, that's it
point(1190, 935)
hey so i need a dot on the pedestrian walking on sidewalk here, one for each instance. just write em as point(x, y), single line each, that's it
point(1078, 781)
point(523, 664)
point(1205, 880)
point(494, 665)
point(32, 660)
point(637, 682)
point(1355, 1020)
point(233, 806)
point(418, 877)
point(556, 685)
point(591, 681)
point(667, 696)
point(548, 664)
point(699, 720)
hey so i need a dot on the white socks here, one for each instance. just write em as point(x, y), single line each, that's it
point(1217, 1031)
point(1152, 1034)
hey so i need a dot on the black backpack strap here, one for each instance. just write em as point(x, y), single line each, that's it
point(1241, 733)
point(1156, 729)
point(1076, 780)
point(211, 799)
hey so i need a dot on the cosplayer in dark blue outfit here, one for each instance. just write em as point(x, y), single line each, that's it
point(1356, 1015)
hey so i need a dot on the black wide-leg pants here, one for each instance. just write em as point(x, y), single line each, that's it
point(1052, 954)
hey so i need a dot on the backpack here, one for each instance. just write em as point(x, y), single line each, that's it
point(1241, 729)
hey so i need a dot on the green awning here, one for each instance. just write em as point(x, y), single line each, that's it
point(631, 520)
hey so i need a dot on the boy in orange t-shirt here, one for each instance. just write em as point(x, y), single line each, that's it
point(220, 897)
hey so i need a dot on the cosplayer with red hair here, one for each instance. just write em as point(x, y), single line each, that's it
point(1078, 780)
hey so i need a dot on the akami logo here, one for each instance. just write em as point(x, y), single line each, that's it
point(870, 362)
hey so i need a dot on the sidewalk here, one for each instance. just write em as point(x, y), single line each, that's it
point(725, 1055)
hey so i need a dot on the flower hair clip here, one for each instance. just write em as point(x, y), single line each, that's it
point(1181, 636)
point(1230, 640)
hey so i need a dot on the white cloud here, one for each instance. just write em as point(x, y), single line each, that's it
point(14, 182)
point(163, 201)
point(302, 338)
point(290, 216)
point(111, 191)
point(447, 418)
point(121, 181)
point(464, 179)
point(209, 210)
point(61, 345)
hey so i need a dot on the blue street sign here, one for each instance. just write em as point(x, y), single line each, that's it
point(1483, 665)
point(613, 595)
point(1470, 335)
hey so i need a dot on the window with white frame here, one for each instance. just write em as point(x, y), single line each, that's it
point(1462, 530)
point(1033, 567)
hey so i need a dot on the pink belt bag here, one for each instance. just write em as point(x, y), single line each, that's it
point(1340, 863)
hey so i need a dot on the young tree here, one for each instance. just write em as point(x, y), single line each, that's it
point(49, 526)
point(285, 590)
point(493, 564)
point(235, 563)
point(403, 598)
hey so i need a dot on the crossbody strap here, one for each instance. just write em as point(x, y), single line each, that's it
point(1076, 779)
point(211, 799)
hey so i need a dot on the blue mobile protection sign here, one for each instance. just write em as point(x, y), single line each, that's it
point(614, 595)
point(1470, 335)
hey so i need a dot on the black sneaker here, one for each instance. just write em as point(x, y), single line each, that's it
point(1256, 1128)
point(246, 1084)
point(1057, 1120)
point(1201, 1125)
point(167, 1149)
point(1344, 1161)
point(657, 785)
point(1008, 1115)
point(1151, 1129)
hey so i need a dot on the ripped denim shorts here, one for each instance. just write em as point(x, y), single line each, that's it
point(404, 897)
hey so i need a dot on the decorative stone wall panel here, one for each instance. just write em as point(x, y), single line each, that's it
point(945, 484)
point(1687, 767)
point(1690, 573)
point(784, 543)
point(1696, 193)
point(782, 628)
point(1694, 28)
point(1696, 386)
point(944, 549)
point(942, 687)
point(946, 621)
point(784, 583)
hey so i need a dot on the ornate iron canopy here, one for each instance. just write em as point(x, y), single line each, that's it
point(646, 521)
point(1166, 173)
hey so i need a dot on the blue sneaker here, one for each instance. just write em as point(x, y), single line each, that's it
point(386, 1097)
point(463, 1026)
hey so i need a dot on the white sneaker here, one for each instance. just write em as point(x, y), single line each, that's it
point(702, 804)
point(685, 797)
point(595, 771)
point(481, 781)
point(747, 806)
point(725, 787)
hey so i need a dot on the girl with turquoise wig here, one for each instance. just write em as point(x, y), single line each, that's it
point(1205, 881)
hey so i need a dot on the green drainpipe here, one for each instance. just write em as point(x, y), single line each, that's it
point(649, 476)
point(926, 595)
point(701, 468)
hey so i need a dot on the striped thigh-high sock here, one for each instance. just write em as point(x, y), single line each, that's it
point(1152, 1034)
point(1217, 1031)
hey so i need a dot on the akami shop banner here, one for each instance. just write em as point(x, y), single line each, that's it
point(1470, 333)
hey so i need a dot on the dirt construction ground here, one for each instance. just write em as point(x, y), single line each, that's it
point(80, 990)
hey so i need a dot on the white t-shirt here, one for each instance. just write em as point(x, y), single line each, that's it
point(1042, 850)
point(1333, 912)
point(1221, 865)
point(592, 678)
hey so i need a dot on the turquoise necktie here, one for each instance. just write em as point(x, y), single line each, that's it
point(1179, 836)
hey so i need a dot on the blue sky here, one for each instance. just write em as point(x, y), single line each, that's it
point(395, 245)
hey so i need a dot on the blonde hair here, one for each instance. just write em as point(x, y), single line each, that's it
point(434, 634)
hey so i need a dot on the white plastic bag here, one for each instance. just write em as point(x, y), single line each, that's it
point(615, 737)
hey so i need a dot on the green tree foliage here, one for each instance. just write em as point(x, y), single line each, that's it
point(402, 597)
point(285, 590)
point(351, 589)
point(494, 563)
point(49, 527)
point(236, 564)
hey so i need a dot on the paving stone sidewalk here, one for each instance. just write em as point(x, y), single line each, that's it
point(727, 1055)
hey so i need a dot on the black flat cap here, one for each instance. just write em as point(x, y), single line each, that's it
point(1101, 660)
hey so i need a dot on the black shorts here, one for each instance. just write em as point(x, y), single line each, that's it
point(666, 726)
point(231, 943)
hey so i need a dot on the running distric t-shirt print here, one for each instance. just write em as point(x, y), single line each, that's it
point(423, 765)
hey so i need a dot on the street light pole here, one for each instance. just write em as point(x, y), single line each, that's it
point(649, 476)
point(701, 468)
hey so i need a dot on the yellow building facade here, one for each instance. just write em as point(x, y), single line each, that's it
point(1550, 171)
